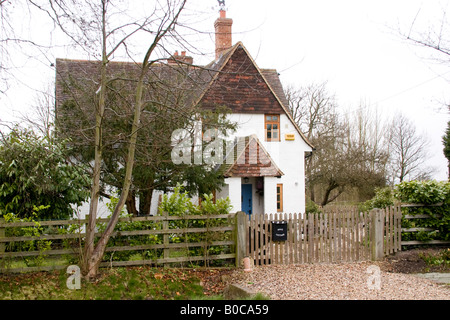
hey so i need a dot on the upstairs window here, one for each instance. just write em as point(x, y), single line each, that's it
point(272, 127)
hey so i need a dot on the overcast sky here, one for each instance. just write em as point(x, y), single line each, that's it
point(353, 45)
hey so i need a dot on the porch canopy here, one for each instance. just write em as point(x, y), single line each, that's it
point(249, 158)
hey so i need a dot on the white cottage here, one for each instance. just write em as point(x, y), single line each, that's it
point(264, 168)
point(265, 171)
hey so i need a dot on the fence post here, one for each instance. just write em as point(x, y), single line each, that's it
point(86, 223)
point(241, 239)
point(165, 224)
point(377, 240)
point(2, 235)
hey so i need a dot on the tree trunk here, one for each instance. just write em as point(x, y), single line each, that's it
point(131, 204)
point(326, 197)
point(312, 194)
point(97, 254)
point(90, 229)
point(145, 202)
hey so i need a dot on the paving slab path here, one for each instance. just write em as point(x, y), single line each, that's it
point(435, 276)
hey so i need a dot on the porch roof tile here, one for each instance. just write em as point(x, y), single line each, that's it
point(250, 160)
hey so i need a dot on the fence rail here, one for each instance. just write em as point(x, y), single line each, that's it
point(164, 227)
point(418, 229)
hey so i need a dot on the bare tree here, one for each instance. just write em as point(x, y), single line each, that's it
point(436, 37)
point(42, 119)
point(312, 107)
point(5, 31)
point(408, 151)
point(348, 151)
point(17, 46)
point(314, 110)
point(368, 148)
point(95, 28)
point(167, 22)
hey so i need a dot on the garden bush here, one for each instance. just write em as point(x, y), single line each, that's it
point(179, 204)
point(383, 198)
point(35, 171)
point(41, 245)
point(176, 204)
point(433, 194)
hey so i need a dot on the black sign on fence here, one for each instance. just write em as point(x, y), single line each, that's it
point(279, 230)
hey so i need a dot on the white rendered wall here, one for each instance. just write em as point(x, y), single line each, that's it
point(234, 192)
point(289, 156)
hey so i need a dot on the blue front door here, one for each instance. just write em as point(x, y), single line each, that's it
point(246, 197)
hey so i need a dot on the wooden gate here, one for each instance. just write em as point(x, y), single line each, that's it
point(333, 236)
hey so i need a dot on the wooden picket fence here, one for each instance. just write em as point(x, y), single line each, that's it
point(336, 235)
point(392, 229)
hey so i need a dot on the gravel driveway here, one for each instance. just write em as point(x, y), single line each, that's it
point(344, 281)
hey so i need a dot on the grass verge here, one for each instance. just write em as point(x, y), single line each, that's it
point(136, 283)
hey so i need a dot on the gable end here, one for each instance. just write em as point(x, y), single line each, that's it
point(241, 87)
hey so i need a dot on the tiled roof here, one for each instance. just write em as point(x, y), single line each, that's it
point(234, 80)
point(241, 85)
point(249, 159)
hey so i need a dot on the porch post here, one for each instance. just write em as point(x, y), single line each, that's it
point(234, 192)
point(270, 194)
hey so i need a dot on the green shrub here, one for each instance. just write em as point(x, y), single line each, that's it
point(425, 192)
point(35, 171)
point(41, 245)
point(311, 207)
point(429, 193)
point(176, 204)
point(179, 204)
point(418, 192)
point(130, 225)
point(440, 259)
point(383, 198)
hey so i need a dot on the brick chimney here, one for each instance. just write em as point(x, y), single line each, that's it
point(175, 59)
point(223, 33)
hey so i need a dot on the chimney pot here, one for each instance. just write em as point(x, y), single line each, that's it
point(176, 58)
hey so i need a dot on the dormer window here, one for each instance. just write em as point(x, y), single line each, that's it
point(272, 127)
